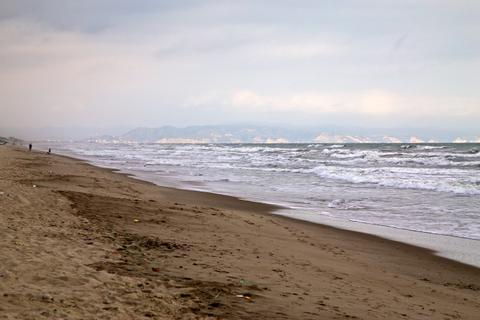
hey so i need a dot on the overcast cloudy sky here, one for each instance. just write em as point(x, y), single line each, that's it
point(117, 62)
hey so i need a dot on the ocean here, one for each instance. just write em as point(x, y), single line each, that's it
point(431, 188)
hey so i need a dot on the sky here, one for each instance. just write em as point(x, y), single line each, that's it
point(120, 63)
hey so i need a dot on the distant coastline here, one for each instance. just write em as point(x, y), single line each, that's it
point(246, 134)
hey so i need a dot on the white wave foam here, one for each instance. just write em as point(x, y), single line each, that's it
point(431, 147)
point(405, 178)
point(379, 158)
point(342, 204)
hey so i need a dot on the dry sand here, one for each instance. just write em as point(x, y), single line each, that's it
point(81, 242)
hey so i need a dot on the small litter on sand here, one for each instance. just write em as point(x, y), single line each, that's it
point(246, 296)
point(136, 220)
point(34, 185)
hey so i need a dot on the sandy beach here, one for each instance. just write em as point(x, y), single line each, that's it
point(82, 242)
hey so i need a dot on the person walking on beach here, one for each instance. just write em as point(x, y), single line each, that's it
point(30, 147)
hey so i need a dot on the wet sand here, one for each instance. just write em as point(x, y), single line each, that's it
point(81, 242)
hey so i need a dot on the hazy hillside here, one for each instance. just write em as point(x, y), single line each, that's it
point(11, 140)
point(218, 134)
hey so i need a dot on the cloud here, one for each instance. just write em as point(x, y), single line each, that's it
point(86, 16)
point(316, 103)
point(373, 102)
point(289, 50)
point(377, 102)
point(50, 76)
point(164, 62)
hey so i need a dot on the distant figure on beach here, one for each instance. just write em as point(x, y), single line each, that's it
point(49, 151)
point(30, 147)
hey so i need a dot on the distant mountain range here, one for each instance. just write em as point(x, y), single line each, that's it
point(265, 134)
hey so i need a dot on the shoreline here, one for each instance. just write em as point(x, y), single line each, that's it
point(90, 242)
point(461, 249)
point(278, 209)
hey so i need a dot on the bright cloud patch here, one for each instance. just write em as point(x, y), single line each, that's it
point(371, 102)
